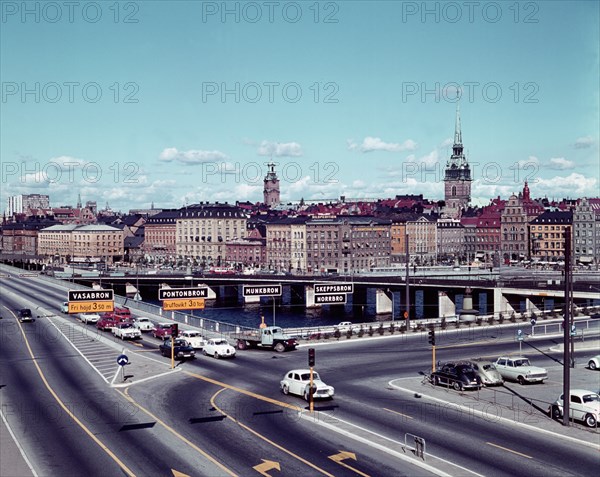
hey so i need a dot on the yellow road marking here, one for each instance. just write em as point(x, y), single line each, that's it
point(338, 458)
point(396, 412)
point(274, 444)
point(509, 450)
point(243, 391)
point(176, 434)
point(266, 466)
point(69, 413)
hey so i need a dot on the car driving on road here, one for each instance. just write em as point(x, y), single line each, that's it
point(25, 315)
point(143, 324)
point(193, 338)
point(125, 331)
point(583, 406)
point(594, 363)
point(162, 331)
point(181, 349)
point(89, 318)
point(297, 381)
point(218, 348)
point(64, 308)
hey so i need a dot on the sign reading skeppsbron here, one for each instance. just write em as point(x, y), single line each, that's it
point(91, 301)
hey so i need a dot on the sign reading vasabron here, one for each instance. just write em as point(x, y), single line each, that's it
point(91, 301)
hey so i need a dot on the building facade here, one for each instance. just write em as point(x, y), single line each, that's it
point(547, 234)
point(160, 234)
point(585, 246)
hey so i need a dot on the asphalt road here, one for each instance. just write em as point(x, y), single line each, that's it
point(228, 417)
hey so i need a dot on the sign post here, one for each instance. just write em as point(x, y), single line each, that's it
point(263, 290)
point(122, 360)
point(520, 338)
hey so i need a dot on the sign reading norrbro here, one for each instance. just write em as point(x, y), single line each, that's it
point(262, 290)
point(178, 293)
point(333, 288)
point(91, 295)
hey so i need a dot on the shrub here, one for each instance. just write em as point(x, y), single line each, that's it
point(349, 333)
point(380, 330)
point(479, 320)
point(326, 336)
point(403, 328)
point(392, 329)
point(490, 319)
point(337, 334)
point(513, 317)
point(371, 330)
point(361, 332)
point(500, 318)
point(444, 324)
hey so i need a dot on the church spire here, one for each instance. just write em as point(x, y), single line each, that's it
point(79, 205)
point(457, 132)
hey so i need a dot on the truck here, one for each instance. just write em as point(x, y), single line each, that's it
point(271, 337)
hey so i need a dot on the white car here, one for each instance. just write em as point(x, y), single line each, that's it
point(520, 369)
point(584, 406)
point(594, 363)
point(297, 381)
point(346, 325)
point(126, 331)
point(89, 318)
point(219, 348)
point(193, 338)
point(64, 308)
point(143, 324)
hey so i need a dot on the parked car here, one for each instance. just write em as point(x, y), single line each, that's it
point(181, 349)
point(297, 381)
point(594, 363)
point(126, 330)
point(584, 406)
point(64, 308)
point(193, 338)
point(25, 315)
point(457, 375)
point(89, 317)
point(219, 348)
point(520, 369)
point(487, 372)
point(143, 324)
point(344, 326)
point(162, 331)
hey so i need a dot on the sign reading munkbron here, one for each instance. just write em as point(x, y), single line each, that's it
point(182, 293)
point(262, 290)
point(91, 295)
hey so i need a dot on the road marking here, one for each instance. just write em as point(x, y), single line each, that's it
point(266, 439)
point(343, 455)
point(399, 413)
point(266, 466)
point(66, 409)
point(176, 434)
point(509, 450)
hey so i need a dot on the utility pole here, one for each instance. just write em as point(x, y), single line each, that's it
point(567, 330)
point(407, 299)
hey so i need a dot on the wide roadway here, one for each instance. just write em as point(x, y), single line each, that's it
point(233, 411)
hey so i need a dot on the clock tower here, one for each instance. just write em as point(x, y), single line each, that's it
point(457, 179)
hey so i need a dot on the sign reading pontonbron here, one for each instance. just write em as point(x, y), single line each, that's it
point(262, 290)
point(331, 299)
point(180, 293)
point(91, 301)
point(333, 288)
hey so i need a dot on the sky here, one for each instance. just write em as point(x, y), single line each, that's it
point(172, 103)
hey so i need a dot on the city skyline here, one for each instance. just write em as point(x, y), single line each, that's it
point(177, 103)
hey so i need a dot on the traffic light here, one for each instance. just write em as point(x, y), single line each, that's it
point(311, 357)
point(174, 330)
point(432, 337)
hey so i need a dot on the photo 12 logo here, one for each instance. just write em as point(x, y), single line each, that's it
point(270, 12)
point(69, 92)
point(69, 12)
point(471, 91)
point(470, 12)
point(269, 91)
point(67, 172)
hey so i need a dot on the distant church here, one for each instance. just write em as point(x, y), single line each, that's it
point(271, 187)
point(457, 179)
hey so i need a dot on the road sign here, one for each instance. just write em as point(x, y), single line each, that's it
point(262, 290)
point(520, 336)
point(333, 288)
point(184, 304)
point(122, 360)
point(533, 322)
point(91, 306)
point(339, 298)
point(573, 330)
point(91, 295)
point(181, 293)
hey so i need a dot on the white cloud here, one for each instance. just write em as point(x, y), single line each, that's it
point(278, 149)
point(560, 163)
point(446, 143)
point(191, 157)
point(573, 185)
point(584, 142)
point(371, 144)
point(530, 162)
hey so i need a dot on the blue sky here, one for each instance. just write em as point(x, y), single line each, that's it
point(179, 102)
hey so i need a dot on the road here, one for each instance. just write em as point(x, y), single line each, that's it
point(220, 417)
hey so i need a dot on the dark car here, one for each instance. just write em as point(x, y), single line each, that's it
point(458, 376)
point(182, 349)
point(25, 315)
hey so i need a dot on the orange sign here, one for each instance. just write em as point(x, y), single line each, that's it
point(91, 306)
point(184, 304)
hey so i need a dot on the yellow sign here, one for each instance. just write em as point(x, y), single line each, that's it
point(91, 306)
point(184, 304)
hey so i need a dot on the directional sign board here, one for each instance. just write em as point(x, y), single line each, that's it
point(331, 299)
point(179, 293)
point(184, 304)
point(122, 360)
point(91, 301)
point(262, 290)
point(333, 288)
